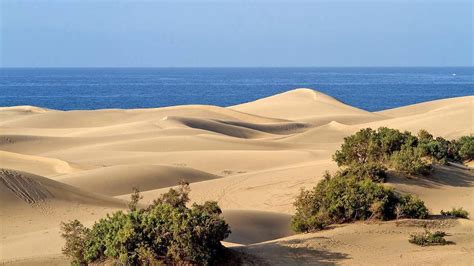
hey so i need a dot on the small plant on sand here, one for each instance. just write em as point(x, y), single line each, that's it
point(134, 199)
point(459, 213)
point(75, 235)
point(411, 207)
point(428, 238)
point(166, 232)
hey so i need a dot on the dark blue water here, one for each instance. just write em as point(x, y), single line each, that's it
point(95, 88)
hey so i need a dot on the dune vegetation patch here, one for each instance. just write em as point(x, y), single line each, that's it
point(342, 199)
point(165, 232)
point(456, 212)
point(428, 238)
point(402, 151)
point(355, 192)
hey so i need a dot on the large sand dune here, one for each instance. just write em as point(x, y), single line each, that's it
point(252, 158)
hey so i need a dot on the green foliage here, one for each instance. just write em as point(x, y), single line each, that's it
point(459, 213)
point(346, 199)
point(357, 148)
point(409, 160)
point(428, 238)
point(134, 199)
point(166, 232)
point(466, 148)
point(410, 154)
point(370, 145)
point(175, 197)
point(424, 136)
point(411, 207)
point(374, 171)
point(75, 235)
point(354, 193)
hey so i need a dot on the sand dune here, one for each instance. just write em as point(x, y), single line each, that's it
point(370, 244)
point(252, 158)
point(306, 105)
point(449, 118)
point(35, 164)
point(119, 180)
point(447, 188)
point(21, 188)
point(328, 133)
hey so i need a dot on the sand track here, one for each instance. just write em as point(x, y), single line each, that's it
point(26, 189)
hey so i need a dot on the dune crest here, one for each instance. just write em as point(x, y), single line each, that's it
point(304, 105)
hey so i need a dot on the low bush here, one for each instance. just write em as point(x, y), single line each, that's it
point(374, 171)
point(410, 154)
point(459, 213)
point(410, 206)
point(166, 232)
point(409, 161)
point(76, 235)
point(368, 145)
point(428, 238)
point(341, 199)
point(466, 148)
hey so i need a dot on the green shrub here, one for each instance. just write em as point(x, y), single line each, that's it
point(459, 213)
point(166, 232)
point(368, 145)
point(75, 235)
point(374, 171)
point(407, 153)
point(342, 199)
point(391, 140)
point(409, 160)
point(466, 148)
point(424, 136)
point(357, 148)
point(411, 207)
point(428, 238)
point(134, 199)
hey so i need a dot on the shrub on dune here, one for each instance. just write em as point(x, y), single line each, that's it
point(466, 148)
point(356, 148)
point(374, 171)
point(76, 235)
point(410, 206)
point(459, 213)
point(355, 192)
point(166, 232)
point(409, 160)
point(428, 238)
point(368, 145)
point(341, 199)
point(404, 152)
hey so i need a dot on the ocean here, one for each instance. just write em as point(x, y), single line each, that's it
point(369, 88)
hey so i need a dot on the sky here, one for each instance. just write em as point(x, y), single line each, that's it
point(226, 33)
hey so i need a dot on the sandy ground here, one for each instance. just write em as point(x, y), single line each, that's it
point(252, 158)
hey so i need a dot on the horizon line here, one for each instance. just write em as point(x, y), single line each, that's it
point(204, 67)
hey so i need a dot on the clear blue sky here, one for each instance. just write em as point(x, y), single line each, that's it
point(65, 33)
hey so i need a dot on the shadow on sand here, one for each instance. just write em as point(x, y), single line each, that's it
point(297, 252)
point(441, 176)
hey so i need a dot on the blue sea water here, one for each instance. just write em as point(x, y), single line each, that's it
point(368, 88)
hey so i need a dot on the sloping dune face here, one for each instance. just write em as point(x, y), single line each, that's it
point(252, 159)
